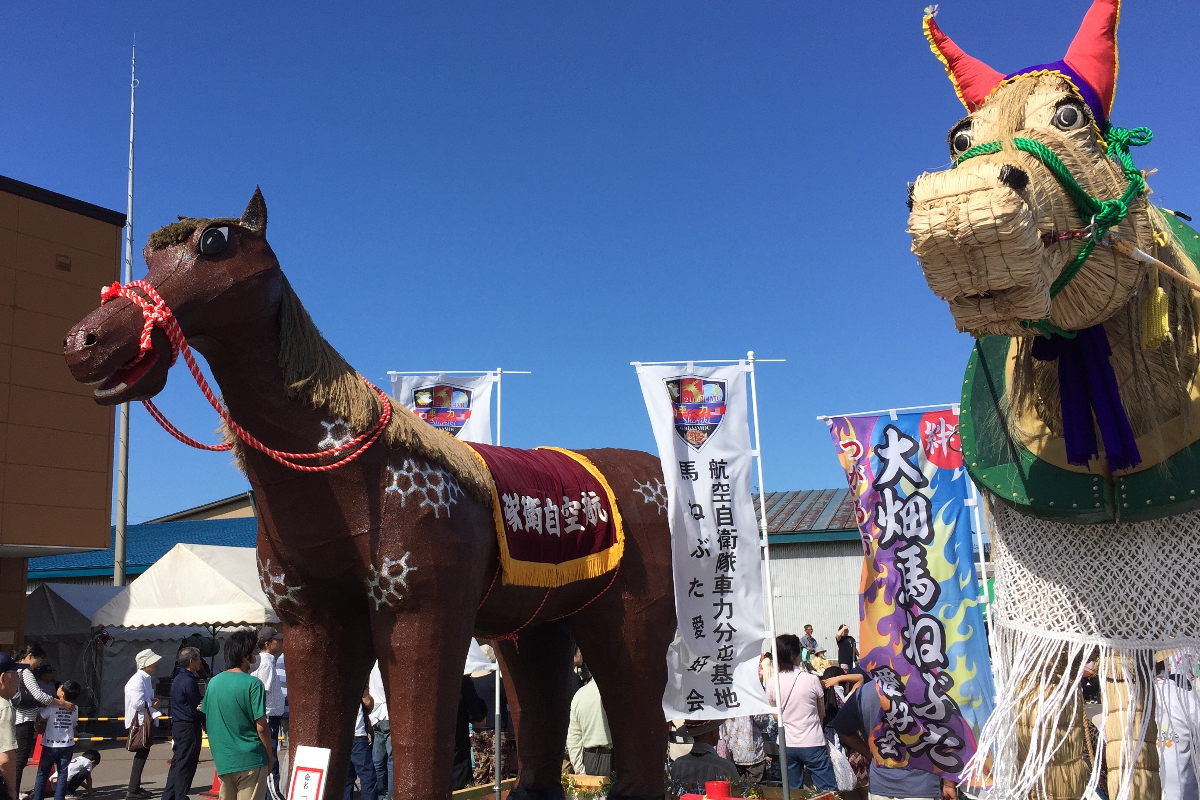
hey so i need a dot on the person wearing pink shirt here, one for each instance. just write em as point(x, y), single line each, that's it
point(802, 714)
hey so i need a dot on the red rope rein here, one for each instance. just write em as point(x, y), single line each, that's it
point(156, 314)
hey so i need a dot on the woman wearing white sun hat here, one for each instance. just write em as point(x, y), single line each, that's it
point(140, 701)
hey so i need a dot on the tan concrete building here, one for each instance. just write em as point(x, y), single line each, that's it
point(56, 444)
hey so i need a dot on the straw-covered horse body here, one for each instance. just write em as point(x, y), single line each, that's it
point(1081, 410)
point(394, 555)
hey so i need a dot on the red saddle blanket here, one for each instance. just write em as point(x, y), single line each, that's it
point(556, 518)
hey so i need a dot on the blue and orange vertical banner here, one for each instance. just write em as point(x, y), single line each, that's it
point(921, 631)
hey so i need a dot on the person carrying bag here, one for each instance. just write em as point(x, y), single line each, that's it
point(141, 714)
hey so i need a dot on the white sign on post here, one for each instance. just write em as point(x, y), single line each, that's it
point(699, 416)
point(308, 773)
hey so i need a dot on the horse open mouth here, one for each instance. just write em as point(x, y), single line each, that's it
point(135, 380)
point(126, 376)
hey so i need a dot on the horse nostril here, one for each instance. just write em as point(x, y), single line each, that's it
point(1014, 178)
point(90, 339)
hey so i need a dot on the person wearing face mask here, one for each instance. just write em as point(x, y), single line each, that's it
point(270, 646)
point(235, 713)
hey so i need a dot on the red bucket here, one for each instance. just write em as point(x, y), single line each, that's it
point(717, 789)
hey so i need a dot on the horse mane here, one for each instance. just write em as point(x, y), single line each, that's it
point(314, 372)
point(182, 230)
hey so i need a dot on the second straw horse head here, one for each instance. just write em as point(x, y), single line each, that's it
point(1018, 235)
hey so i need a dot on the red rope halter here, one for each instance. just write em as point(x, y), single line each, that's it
point(156, 313)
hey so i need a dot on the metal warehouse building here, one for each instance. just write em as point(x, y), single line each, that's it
point(816, 562)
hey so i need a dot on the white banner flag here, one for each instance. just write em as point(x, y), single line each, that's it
point(703, 435)
point(460, 406)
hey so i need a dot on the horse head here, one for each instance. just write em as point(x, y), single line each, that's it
point(210, 273)
point(1034, 164)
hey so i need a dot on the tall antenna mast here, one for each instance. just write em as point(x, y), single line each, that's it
point(123, 443)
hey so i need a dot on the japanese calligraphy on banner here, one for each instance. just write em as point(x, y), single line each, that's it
point(921, 630)
point(460, 406)
point(700, 425)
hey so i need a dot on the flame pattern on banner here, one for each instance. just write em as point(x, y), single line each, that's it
point(921, 629)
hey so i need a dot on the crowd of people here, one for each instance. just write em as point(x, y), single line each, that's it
point(821, 704)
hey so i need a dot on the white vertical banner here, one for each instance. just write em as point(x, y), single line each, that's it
point(701, 427)
point(459, 405)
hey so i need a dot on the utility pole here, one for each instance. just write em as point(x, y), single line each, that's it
point(123, 442)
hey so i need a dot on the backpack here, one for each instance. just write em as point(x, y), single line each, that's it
point(23, 700)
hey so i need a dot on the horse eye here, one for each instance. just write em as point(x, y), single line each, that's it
point(960, 140)
point(214, 240)
point(1068, 116)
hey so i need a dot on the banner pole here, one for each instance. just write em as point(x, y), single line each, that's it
point(977, 501)
point(497, 731)
point(765, 553)
point(497, 728)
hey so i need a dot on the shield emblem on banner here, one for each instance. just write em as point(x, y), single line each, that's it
point(699, 407)
point(443, 406)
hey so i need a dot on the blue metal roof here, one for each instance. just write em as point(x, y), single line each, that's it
point(147, 543)
point(822, 515)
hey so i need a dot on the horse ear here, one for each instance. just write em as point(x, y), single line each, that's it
point(973, 80)
point(255, 217)
point(1093, 51)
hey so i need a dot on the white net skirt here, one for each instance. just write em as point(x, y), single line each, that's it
point(1113, 596)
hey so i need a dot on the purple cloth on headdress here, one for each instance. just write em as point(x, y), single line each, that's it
point(1087, 385)
point(1085, 89)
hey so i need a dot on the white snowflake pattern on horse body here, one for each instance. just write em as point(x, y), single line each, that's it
point(654, 492)
point(276, 587)
point(337, 433)
point(388, 585)
point(435, 487)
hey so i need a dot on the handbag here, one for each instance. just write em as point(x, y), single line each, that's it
point(141, 733)
point(842, 771)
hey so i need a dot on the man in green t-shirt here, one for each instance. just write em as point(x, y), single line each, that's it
point(235, 712)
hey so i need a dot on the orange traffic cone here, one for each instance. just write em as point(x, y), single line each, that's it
point(216, 787)
point(36, 758)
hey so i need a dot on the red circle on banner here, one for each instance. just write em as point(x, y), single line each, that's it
point(940, 440)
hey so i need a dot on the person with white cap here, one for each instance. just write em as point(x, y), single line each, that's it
point(141, 706)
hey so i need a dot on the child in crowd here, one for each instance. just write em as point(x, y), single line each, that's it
point(79, 773)
point(58, 741)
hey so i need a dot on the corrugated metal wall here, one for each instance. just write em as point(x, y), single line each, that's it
point(817, 583)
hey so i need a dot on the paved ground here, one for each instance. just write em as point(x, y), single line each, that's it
point(111, 778)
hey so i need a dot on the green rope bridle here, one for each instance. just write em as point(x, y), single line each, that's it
point(1104, 214)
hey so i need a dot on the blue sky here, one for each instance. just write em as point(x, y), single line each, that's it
point(562, 187)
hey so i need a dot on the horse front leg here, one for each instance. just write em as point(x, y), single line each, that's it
point(422, 628)
point(328, 655)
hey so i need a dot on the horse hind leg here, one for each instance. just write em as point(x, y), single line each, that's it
point(537, 677)
point(624, 642)
point(1129, 693)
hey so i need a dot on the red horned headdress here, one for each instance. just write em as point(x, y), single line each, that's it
point(1090, 63)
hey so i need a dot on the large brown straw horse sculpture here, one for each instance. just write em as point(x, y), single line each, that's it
point(357, 572)
point(1080, 409)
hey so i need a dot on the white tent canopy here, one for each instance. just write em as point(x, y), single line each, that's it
point(63, 611)
point(193, 584)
